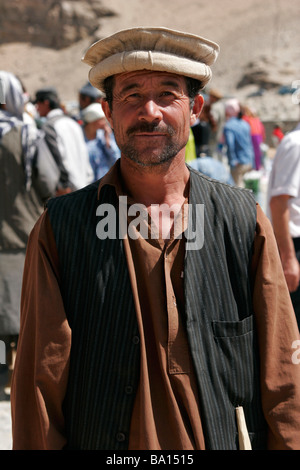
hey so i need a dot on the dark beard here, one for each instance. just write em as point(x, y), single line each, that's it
point(167, 153)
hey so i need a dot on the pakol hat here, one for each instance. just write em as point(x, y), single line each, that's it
point(92, 113)
point(156, 49)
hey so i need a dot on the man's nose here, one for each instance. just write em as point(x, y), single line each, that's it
point(150, 111)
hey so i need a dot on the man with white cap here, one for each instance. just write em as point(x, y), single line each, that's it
point(64, 138)
point(102, 148)
point(163, 326)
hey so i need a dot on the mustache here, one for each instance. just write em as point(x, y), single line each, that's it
point(150, 127)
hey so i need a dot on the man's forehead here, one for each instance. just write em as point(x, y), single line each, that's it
point(143, 77)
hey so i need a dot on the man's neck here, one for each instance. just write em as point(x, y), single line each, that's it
point(163, 184)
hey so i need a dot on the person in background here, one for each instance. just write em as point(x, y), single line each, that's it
point(284, 210)
point(164, 331)
point(190, 149)
point(20, 207)
point(101, 144)
point(202, 130)
point(88, 95)
point(238, 142)
point(213, 168)
point(277, 135)
point(65, 140)
point(258, 135)
point(217, 111)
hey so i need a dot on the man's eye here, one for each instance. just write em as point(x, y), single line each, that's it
point(133, 96)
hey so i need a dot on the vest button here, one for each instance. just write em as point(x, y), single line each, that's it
point(121, 437)
point(135, 340)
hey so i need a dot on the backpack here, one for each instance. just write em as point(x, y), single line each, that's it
point(50, 170)
point(46, 172)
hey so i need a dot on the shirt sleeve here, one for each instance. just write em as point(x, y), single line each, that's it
point(42, 363)
point(230, 143)
point(278, 333)
point(285, 174)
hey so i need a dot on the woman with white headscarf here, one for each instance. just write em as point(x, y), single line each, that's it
point(20, 205)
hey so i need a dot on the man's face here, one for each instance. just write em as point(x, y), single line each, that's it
point(84, 101)
point(43, 107)
point(150, 116)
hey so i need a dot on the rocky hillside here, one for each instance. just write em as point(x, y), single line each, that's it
point(43, 42)
point(50, 23)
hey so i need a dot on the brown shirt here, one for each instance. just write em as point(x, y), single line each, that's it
point(166, 413)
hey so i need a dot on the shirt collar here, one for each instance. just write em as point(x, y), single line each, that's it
point(55, 112)
point(112, 178)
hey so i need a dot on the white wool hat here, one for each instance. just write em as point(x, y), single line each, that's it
point(92, 113)
point(157, 49)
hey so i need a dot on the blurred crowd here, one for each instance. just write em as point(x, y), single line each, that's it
point(233, 135)
point(44, 152)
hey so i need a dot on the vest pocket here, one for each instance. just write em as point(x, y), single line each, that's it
point(234, 343)
point(232, 328)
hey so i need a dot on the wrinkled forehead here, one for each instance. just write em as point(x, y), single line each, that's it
point(148, 79)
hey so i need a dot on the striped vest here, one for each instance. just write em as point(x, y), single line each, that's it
point(104, 362)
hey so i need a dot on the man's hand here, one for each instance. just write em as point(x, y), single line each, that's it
point(291, 269)
point(280, 219)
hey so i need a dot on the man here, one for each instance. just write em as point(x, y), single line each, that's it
point(217, 111)
point(284, 199)
point(213, 168)
point(89, 95)
point(102, 147)
point(65, 140)
point(20, 207)
point(148, 334)
point(237, 138)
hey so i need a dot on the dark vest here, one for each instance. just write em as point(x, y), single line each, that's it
point(105, 355)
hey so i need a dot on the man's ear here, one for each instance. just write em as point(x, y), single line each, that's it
point(107, 112)
point(197, 108)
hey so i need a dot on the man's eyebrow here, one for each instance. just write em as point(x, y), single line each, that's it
point(171, 83)
point(129, 87)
